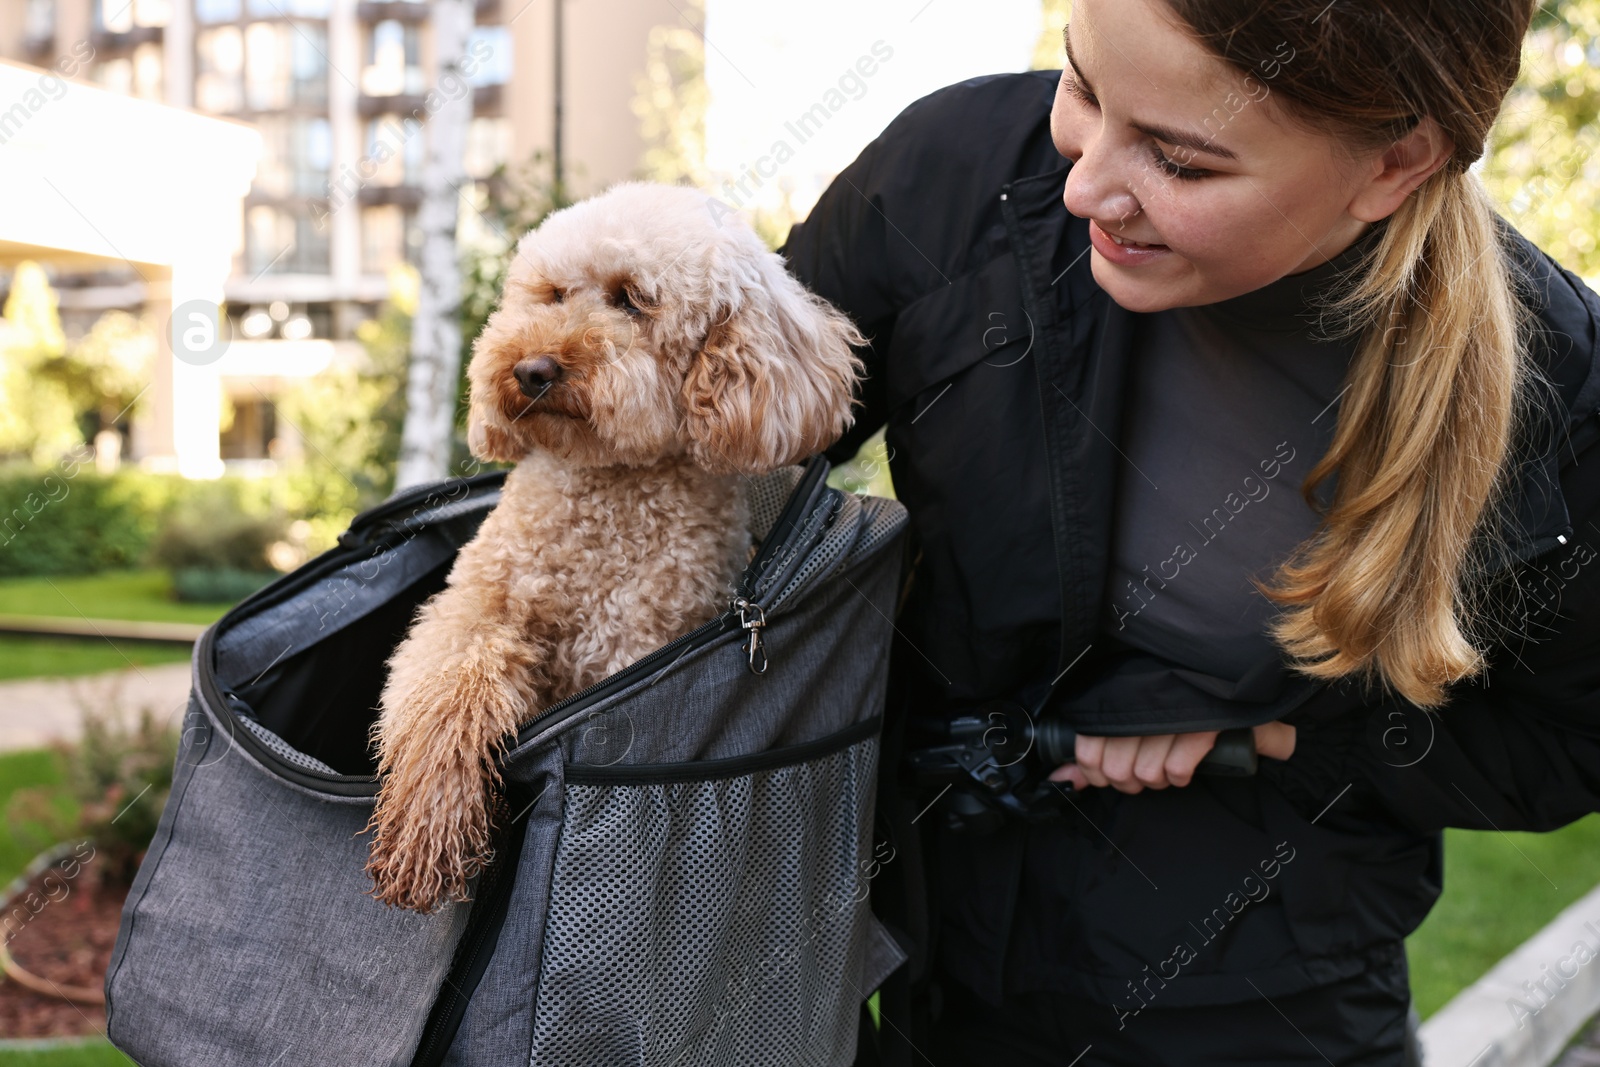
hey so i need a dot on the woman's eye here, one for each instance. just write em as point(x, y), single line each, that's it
point(1079, 92)
point(1175, 170)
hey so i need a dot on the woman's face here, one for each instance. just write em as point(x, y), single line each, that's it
point(1177, 151)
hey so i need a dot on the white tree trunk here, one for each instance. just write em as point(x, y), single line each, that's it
point(435, 331)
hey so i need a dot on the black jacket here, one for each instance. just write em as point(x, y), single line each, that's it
point(996, 364)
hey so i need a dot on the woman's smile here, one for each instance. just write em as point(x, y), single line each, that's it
point(1120, 251)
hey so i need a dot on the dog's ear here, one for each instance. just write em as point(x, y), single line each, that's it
point(772, 383)
point(489, 443)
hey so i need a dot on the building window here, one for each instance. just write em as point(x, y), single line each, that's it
point(490, 47)
point(216, 10)
point(39, 24)
point(283, 242)
point(252, 431)
point(121, 16)
point(488, 145)
point(297, 153)
point(285, 64)
point(311, 9)
point(219, 82)
point(148, 65)
point(393, 151)
point(115, 75)
point(388, 236)
point(393, 60)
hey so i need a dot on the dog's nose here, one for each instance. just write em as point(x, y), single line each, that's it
point(535, 375)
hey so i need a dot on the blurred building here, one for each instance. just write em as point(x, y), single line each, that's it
point(332, 87)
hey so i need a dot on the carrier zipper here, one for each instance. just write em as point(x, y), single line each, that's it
point(801, 504)
point(675, 649)
point(753, 619)
point(483, 932)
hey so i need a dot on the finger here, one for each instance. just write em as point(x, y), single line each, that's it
point(1150, 764)
point(1069, 774)
point(1186, 753)
point(1089, 752)
point(1117, 766)
point(1275, 740)
point(1117, 763)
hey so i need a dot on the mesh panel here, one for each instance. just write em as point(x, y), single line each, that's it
point(862, 522)
point(283, 749)
point(768, 493)
point(881, 519)
point(710, 923)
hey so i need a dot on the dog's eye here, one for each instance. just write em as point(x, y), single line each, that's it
point(557, 293)
point(625, 299)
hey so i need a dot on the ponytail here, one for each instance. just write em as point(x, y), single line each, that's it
point(1385, 588)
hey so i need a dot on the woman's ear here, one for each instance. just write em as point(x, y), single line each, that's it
point(1400, 169)
point(773, 382)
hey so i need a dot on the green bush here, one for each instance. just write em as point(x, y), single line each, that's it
point(68, 520)
point(117, 777)
point(213, 529)
point(216, 585)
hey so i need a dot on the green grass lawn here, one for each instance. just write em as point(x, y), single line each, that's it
point(19, 770)
point(1499, 889)
point(68, 657)
point(22, 770)
point(91, 1053)
point(141, 595)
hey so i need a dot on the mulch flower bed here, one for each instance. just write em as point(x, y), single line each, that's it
point(60, 929)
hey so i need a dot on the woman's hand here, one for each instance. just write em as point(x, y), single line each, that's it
point(1132, 764)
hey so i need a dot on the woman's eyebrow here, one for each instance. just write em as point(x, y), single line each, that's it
point(1192, 141)
point(1184, 140)
point(1066, 42)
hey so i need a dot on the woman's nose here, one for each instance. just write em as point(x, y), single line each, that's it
point(1096, 187)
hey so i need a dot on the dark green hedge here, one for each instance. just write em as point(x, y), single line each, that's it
point(67, 519)
point(70, 520)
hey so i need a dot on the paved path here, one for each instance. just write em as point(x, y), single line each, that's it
point(36, 711)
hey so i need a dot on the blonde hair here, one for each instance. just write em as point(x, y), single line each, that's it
point(1387, 587)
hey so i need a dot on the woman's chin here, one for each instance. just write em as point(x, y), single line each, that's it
point(1130, 294)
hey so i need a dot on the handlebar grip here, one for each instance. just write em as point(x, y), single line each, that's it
point(1233, 756)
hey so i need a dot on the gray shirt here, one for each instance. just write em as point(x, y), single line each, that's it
point(1229, 406)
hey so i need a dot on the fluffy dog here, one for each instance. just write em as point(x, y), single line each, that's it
point(644, 357)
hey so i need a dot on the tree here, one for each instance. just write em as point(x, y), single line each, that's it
point(1543, 166)
point(671, 100)
point(37, 419)
point(106, 372)
point(350, 416)
point(426, 437)
point(1048, 53)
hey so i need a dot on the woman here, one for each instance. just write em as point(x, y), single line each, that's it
point(1274, 424)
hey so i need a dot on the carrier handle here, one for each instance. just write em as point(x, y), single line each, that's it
point(1232, 756)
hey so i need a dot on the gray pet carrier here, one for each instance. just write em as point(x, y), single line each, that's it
point(685, 852)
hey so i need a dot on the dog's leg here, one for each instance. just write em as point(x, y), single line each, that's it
point(458, 685)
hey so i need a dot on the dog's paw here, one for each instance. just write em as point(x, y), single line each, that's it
point(430, 836)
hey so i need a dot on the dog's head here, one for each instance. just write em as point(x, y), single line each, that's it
point(635, 327)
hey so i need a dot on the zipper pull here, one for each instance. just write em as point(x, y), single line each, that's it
point(752, 618)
